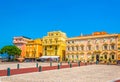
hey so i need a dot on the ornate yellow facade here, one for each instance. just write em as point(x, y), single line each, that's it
point(34, 49)
point(54, 44)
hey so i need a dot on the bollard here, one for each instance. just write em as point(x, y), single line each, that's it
point(68, 62)
point(18, 66)
point(79, 63)
point(70, 65)
point(37, 65)
point(40, 68)
point(58, 66)
point(50, 63)
point(8, 71)
point(96, 62)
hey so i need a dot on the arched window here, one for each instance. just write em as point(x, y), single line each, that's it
point(113, 47)
point(105, 56)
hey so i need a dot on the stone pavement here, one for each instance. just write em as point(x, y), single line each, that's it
point(90, 73)
point(4, 66)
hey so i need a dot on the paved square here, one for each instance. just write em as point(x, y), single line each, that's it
point(90, 73)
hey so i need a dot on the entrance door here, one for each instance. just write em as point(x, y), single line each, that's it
point(97, 57)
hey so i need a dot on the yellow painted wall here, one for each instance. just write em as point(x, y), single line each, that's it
point(34, 49)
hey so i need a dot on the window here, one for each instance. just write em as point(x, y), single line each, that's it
point(50, 46)
point(105, 56)
point(50, 40)
point(82, 47)
point(104, 40)
point(72, 56)
point(77, 56)
point(56, 40)
point(72, 48)
point(113, 57)
point(89, 47)
point(72, 41)
point(45, 48)
point(51, 34)
point(112, 47)
point(97, 47)
point(68, 48)
point(88, 41)
point(111, 39)
point(68, 42)
point(55, 47)
point(77, 48)
point(105, 47)
point(45, 41)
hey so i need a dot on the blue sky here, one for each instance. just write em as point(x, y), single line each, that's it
point(34, 18)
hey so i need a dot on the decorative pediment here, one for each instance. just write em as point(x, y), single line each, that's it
point(97, 51)
point(105, 52)
point(112, 43)
point(112, 53)
point(105, 44)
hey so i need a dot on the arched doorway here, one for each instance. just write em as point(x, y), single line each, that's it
point(97, 57)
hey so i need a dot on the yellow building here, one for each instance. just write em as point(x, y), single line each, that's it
point(54, 44)
point(34, 49)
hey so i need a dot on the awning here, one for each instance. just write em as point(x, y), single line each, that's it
point(46, 57)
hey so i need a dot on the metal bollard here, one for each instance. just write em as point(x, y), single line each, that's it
point(79, 63)
point(50, 63)
point(40, 68)
point(8, 71)
point(58, 66)
point(68, 62)
point(70, 65)
point(37, 65)
point(96, 62)
point(18, 66)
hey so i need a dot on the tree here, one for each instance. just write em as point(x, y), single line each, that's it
point(11, 50)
